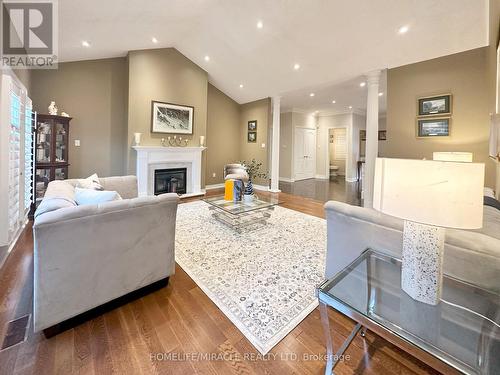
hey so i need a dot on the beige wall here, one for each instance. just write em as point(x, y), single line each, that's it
point(163, 75)
point(286, 146)
point(223, 134)
point(260, 111)
point(94, 93)
point(464, 76)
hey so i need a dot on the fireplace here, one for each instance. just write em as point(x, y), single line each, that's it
point(172, 180)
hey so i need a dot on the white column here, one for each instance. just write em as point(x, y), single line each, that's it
point(275, 150)
point(371, 154)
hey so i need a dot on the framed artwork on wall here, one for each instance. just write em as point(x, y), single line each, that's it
point(252, 137)
point(435, 105)
point(252, 125)
point(171, 118)
point(433, 127)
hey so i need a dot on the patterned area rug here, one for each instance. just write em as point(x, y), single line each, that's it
point(263, 280)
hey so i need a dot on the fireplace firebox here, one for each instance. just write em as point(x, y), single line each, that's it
point(171, 180)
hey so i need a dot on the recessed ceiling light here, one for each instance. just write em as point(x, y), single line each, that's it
point(350, 107)
point(154, 40)
point(207, 58)
point(380, 94)
point(362, 84)
point(403, 29)
point(241, 85)
point(311, 94)
point(260, 25)
point(334, 101)
point(296, 66)
point(85, 43)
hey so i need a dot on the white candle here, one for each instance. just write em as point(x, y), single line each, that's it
point(202, 140)
point(137, 138)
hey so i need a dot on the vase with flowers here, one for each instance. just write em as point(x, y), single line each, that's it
point(253, 169)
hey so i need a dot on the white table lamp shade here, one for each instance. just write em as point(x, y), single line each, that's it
point(439, 193)
point(465, 157)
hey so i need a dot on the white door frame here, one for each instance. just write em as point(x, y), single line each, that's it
point(348, 134)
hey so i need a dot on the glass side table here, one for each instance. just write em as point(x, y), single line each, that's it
point(459, 335)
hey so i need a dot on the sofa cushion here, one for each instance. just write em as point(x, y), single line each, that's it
point(59, 194)
point(91, 196)
point(91, 182)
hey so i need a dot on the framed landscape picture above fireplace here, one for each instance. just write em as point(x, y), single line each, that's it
point(171, 118)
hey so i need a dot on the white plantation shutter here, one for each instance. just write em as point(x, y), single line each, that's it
point(28, 156)
point(340, 143)
point(15, 157)
point(14, 162)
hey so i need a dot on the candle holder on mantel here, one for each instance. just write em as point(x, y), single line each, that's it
point(174, 141)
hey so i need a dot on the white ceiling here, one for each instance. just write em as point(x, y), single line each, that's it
point(346, 94)
point(332, 40)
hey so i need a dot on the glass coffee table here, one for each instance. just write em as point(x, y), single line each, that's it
point(242, 215)
point(459, 335)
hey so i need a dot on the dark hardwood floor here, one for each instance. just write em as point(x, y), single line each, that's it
point(181, 320)
point(336, 188)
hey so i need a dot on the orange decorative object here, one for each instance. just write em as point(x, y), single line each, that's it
point(229, 190)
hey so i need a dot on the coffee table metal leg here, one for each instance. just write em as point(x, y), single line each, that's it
point(333, 359)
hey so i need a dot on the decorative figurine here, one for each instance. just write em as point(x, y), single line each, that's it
point(64, 114)
point(53, 109)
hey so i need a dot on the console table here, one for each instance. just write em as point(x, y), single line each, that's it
point(459, 335)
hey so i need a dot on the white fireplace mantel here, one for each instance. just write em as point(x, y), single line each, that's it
point(150, 158)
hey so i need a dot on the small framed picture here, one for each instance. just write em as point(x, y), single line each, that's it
point(433, 127)
point(252, 137)
point(382, 135)
point(436, 105)
point(252, 125)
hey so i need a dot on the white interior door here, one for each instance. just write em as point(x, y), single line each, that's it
point(305, 153)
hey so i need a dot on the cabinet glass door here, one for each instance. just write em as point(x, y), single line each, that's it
point(42, 179)
point(44, 142)
point(61, 173)
point(61, 134)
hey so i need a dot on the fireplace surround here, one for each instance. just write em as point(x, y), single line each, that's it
point(152, 158)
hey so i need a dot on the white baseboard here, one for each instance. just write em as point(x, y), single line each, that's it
point(261, 187)
point(286, 179)
point(214, 186)
point(321, 177)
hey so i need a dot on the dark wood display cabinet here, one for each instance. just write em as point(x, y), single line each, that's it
point(51, 151)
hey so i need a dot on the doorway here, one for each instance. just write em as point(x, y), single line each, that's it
point(304, 153)
point(337, 151)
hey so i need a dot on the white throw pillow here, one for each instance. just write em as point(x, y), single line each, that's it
point(91, 196)
point(91, 182)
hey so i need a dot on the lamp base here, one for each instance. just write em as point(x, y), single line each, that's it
point(422, 263)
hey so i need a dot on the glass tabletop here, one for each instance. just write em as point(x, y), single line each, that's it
point(241, 207)
point(463, 330)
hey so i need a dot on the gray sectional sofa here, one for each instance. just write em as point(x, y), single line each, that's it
point(88, 255)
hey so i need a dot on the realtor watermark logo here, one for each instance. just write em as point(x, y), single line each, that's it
point(29, 34)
